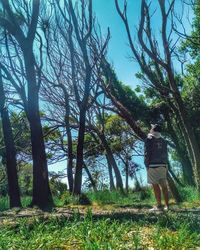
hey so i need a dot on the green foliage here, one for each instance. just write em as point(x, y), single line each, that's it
point(52, 135)
point(116, 197)
point(191, 81)
point(57, 187)
point(190, 194)
point(4, 202)
point(119, 134)
point(192, 43)
point(145, 194)
point(103, 233)
point(67, 198)
point(83, 199)
point(125, 95)
point(91, 147)
point(25, 177)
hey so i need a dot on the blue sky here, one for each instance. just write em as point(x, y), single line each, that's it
point(118, 50)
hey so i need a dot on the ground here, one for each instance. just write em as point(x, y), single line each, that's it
point(100, 227)
point(109, 221)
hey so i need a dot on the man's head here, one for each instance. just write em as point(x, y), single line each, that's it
point(155, 128)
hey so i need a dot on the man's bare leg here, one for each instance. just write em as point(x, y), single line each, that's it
point(157, 193)
point(165, 193)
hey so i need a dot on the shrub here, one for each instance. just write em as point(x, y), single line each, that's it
point(189, 194)
point(82, 199)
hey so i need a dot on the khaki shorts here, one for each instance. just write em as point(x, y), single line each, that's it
point(156, 175)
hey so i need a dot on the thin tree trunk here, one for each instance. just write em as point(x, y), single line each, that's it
point(126, 171)
point(79, 157)
point(119, 182)
point(69, 169)
point(90, 178)
point(69, 153)
point(188, 174)
point(112, 185)
point(174, 176)
point(193, 147)
point(11, 163)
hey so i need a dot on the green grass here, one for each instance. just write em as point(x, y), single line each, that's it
point(4, 202)
point(143, 198)
point(115, 197)
point(119, 230)
point(167, 232)
point(190, 194)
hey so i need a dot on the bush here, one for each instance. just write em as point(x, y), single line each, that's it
point(105, 197)
point(189, 194)
point(66, 198)
point(82, 199)
point(145, 194)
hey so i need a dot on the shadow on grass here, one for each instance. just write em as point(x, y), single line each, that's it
point(168, 220)
point(136, 206)
point(133, 213)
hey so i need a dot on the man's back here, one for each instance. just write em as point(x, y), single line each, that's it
point(156, 151)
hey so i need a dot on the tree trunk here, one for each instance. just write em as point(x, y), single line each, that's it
point(192, 145)
point(174, 176)
point(112, 185)
point(126, 172)
point(90, 178)
point(173, 189)
point(191, 142)
point(11, 163)
point(79, 157)
point(69, 154)
point(188, 174)
point(42, 196)
point(119, 182)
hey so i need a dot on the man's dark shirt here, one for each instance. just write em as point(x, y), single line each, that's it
point(155, 151)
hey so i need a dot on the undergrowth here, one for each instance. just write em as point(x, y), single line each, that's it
point(168, 232)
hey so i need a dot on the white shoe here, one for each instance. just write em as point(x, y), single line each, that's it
point(166, 208)
point(156, 209)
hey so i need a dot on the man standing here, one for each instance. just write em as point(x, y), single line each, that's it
point(156, 158)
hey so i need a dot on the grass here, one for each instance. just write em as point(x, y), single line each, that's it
point(114, 197)
point(4, 202)
point(105, 233)
point(144, 198)
point(119, 230)
point(191, 197)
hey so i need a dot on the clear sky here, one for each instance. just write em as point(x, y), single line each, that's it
point(118, 51)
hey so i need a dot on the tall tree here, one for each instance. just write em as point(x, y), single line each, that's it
point(162, 75)
point(11, 162)
point(83, 26)
point(25, 39)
